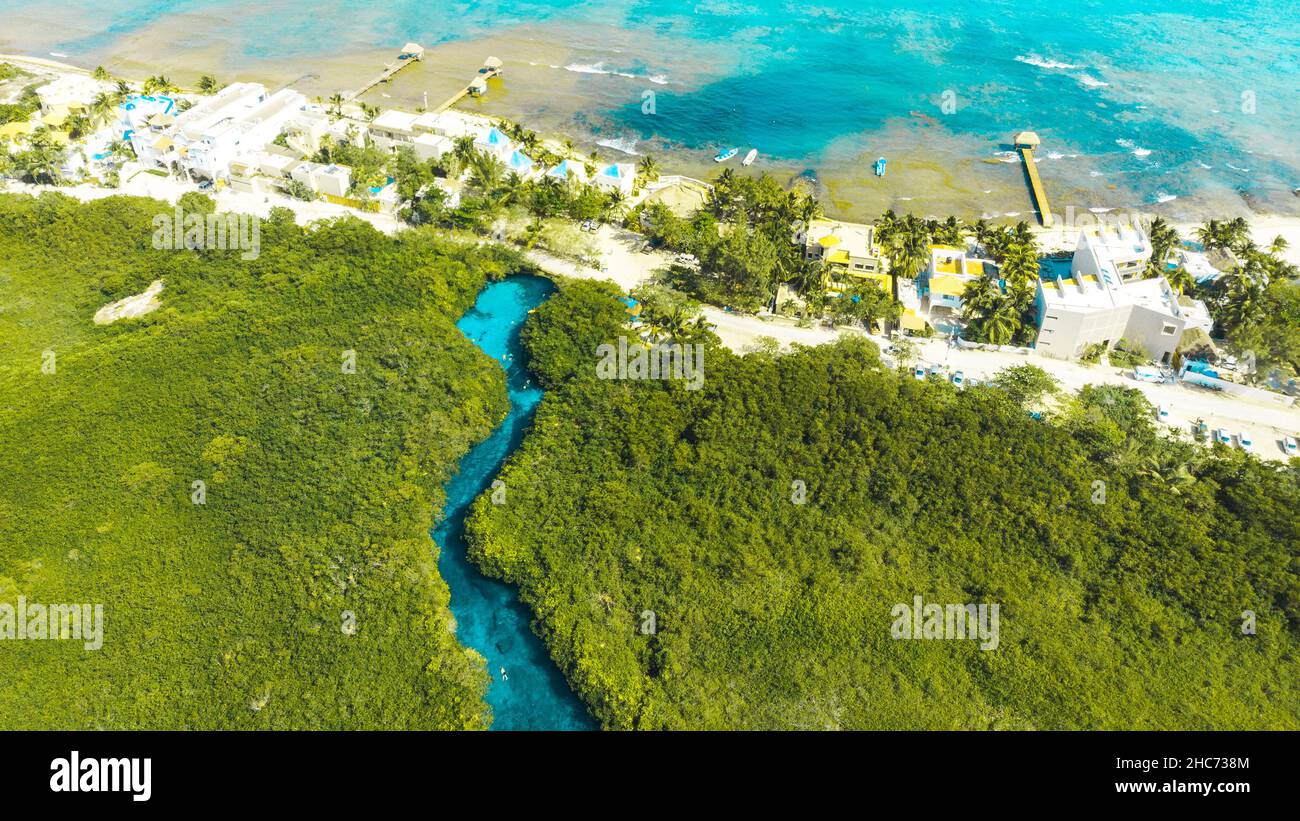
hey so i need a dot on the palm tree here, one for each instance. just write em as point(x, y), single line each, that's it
point(463, 151)
point(336, 101)
point(613, 204)
point(908, 246)
point(486, 172)
point(648, 168)
point(812, 278)
point(1180, 280)
point(1000, 327)
point(1163, 241)
point(207, 84)
point(809, 209)
point(159, 84)
point(1020, 262)
point(100, 73)
point(1237, 232)
point(1243, 302)
point(102, 106)
point(1278, 245)
point(41, 161)
point(980, 298)
point(948, 232)
point(1170, 470)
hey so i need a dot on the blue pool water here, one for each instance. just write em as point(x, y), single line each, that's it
point(489, 616)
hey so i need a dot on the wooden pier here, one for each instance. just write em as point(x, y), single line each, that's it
point(476, 87)
point(410, 53)
point(1026, 142)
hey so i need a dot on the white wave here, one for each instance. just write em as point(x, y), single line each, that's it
point(1162, 197)
point(1132, 146)
point(1235, 168)
point(1091, 82)
point(1043, 62)
point(585, 68)
point(1007, 156)
point(1011, 214)
point(627, 145)
point(599, 68)
point(1101, 210)
point(1094, 173)
point(1203, 165)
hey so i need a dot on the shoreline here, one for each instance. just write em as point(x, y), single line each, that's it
point(934, 171)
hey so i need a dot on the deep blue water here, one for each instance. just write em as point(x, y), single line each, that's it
point(489, 616)
point(1160, 104)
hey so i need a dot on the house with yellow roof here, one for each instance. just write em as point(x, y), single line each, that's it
point(849, 249)
point(16, 130)
point(935, 297)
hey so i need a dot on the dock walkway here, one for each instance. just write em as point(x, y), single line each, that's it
point(1026, 142)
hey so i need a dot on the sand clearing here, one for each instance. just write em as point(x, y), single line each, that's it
point(138, 305)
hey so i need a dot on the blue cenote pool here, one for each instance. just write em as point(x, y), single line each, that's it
point(489, 616)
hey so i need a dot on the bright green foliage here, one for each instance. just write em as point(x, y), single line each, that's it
point(320, 485)
point(1120, 609)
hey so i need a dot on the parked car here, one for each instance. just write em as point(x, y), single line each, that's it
point(1245, 441)
point(1143, 373)
point(588, 225)
point(1289, 446)
point(205, 185)
point(918, 372)
point(1222, 436)
point(959, 379)
point(1162, 413)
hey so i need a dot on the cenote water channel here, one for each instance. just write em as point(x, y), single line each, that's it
point(489, 616)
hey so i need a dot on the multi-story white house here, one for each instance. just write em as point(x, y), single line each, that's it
point(1108, 297)
point(393, 129)
point(202, 141)
point(941, 285)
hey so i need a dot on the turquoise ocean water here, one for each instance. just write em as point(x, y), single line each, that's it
point(1170, 104)
point(489, 617)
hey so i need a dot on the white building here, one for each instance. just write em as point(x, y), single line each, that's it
point(260, 172)
point(1198, 265)
point(568, 170)
point(941, 285)
point(204, 140)
point(620, 177)
point(393, 129)
point(495, 143)
point(1108, 297)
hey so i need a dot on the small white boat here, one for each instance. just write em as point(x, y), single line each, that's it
point(880, 167)
point(726, 154)
point(750, 157)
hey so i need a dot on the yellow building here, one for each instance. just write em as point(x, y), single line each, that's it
point(850, 249)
